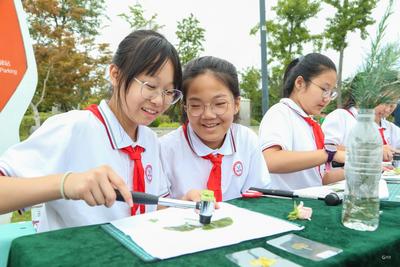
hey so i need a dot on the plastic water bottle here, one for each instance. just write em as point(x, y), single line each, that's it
point(363, 167)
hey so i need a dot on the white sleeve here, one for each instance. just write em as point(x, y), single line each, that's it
point(258, 172)
point(334, 128)
point(164, 162)
point(164, 185)
point(45, 152)
point(276, 128)
point(395, 136)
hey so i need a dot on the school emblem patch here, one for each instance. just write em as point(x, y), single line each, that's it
point(148, 173)
point(238, 168)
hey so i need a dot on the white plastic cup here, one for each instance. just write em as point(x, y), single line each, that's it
point(35, 214)
point(5, 218)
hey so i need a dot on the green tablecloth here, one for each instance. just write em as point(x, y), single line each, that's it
point(91, 246)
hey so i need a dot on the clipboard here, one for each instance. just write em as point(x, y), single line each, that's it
point(127, 242)
point(394, 192)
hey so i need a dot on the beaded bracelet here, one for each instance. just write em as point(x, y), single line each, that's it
point(65, 176)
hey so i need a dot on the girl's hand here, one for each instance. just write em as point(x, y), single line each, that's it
point(340, 156)
point(388, 152)
point(96, 187)
point(195, 195)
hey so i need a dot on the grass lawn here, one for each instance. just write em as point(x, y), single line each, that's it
point(16, 217)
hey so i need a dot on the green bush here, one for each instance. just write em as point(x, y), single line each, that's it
point(254, 122)
point(28, 121)
point(164, 119)
point(155, 123)
point(169, 125)
point(160, 120)
point(16, 217)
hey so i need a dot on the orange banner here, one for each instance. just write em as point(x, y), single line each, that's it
point(13, 63)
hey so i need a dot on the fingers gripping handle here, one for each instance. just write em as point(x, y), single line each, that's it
point(140, 198)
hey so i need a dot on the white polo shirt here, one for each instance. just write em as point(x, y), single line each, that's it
point(391, 133)
point(242, 164)
point(338, 125)
point(77, 141)
point(283, 126)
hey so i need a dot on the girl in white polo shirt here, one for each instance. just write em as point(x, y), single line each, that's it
point(339, 123)
point(209, 150)
point(292, 142)
point(84, 155)
point(391, 132)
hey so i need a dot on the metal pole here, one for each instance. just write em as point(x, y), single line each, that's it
point(264, 72)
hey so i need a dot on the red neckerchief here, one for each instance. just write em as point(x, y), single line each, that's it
point(381, 132)
point(319, 137)
point(351, 113)
point(135, 155)
point(317, 131)
point(214, 179)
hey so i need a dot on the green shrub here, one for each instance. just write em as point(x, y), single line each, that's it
point(28, 121)
point(169, 125)
point(160, 120)
point(164, 118)
point(254, 122)
point(155, 123)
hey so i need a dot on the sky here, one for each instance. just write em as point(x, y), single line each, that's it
point(228, 23)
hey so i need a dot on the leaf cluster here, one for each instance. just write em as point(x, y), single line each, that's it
point(349, 17)
point(191, 38)
point(378, 80)
point(71, 65)
point(137, 20)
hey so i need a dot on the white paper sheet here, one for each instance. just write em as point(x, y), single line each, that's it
point(322, 191)
point(390, 176)
point(148, 231)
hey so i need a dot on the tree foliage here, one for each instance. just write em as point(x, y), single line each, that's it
point(63, 34)
point(137, 20)
point(287, 35)
point(250, 84)
point(378, 80)
point(350, 16)
point(191, 37)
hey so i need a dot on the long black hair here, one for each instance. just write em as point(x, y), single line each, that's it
point(144, 51)
point(308, 67)
point(222, 69)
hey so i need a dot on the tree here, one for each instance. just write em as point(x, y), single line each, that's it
point(137, 21)
point(287, 35)
point(191, 38)
point(250, 84)
point(63, 34)
point(350, 16)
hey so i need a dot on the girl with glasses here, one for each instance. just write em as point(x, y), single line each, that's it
point(209, 150)
point(86, 154)
point(292, 142)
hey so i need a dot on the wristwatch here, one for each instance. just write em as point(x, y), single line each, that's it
point(331, 150)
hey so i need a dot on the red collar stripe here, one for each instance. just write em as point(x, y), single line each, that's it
point(186, 133)
point(351, 113)
point(95, 110)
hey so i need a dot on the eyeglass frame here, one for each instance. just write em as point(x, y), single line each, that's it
point(331, 93)
point(163, 92)
point(211, 105)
